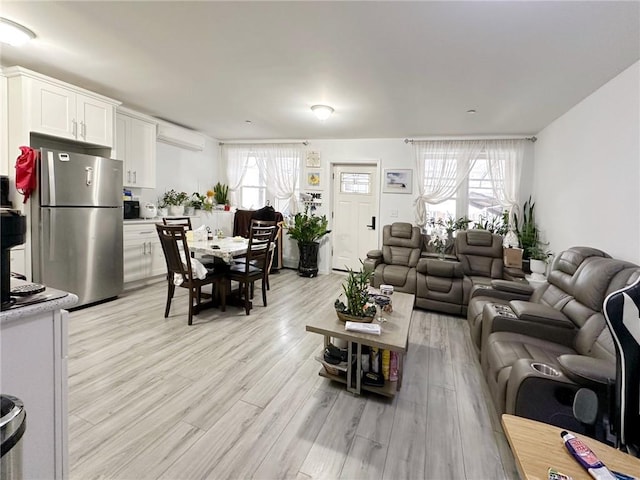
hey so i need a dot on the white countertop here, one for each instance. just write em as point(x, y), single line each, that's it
point(60, 300)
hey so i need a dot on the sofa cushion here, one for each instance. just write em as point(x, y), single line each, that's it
point(401, 230)
point(440, 268)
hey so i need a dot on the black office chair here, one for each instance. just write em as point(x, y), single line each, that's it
point(622, 313)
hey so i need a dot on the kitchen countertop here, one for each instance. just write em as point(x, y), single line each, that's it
point(140, 221)
point(52, 300)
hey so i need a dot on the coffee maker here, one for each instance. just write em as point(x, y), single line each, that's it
point(13, 231)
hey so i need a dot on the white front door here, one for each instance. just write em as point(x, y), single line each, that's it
point(355, 212)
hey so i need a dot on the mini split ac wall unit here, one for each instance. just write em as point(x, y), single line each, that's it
point(180, 137)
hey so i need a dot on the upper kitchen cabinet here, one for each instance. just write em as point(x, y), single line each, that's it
point(136, 146)
point(51, 107)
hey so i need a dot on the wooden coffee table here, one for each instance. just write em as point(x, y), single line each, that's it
point(394, 337)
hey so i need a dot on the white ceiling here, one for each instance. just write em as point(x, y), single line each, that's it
point(390, 69)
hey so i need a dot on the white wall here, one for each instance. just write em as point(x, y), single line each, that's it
point(183, 170)
point(587, 172)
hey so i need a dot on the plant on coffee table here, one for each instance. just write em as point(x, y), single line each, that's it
point(356, 291)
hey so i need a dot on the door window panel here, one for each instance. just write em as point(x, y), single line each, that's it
point(358, 183)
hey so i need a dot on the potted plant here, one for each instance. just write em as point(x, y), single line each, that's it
point(307, 229)
point(198, 201)
point(527, 231)
point(221, 195)
point(359, 306)
point(175, 202)
point(538, 258)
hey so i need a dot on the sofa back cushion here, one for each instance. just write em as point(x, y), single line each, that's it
point(480, 253)
point(401, 244)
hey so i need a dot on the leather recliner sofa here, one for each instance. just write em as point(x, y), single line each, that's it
point(442, 285)
point(536, 354)
point(395, 264)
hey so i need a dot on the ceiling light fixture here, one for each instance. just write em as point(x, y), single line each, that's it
point(13, 33)
point(471, 112)
point(322, 112)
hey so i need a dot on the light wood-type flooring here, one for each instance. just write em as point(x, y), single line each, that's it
point(239, 397)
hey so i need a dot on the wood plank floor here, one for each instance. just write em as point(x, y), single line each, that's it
point(236, 396)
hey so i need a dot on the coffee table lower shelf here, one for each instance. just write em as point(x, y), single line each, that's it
point(388, 389)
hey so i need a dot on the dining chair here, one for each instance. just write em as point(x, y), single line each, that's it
point(264, 223)
point(181, 272)
point(184, 221)
point(256, 265)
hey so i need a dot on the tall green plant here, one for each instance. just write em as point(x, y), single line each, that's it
point(221, 193)
point(308, 228)
point(527, 231)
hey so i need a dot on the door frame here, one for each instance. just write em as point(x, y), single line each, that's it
point(377, 163)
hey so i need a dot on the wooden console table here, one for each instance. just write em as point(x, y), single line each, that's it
point(394, 337)
point(537, 446)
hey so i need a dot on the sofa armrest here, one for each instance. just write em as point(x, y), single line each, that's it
point(519, 288)
point(513, 273)
point(590, 372)
point(526, 384)
point(540, 313)
point(370, 264)
point(375, 254)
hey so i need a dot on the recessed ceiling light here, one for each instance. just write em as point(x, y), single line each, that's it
point(471, 111)
point(322, 112)
point(247, 121)
point(13, 33)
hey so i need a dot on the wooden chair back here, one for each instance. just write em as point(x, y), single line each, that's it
point(261, 235)
point(185, 222)
point(173, 239)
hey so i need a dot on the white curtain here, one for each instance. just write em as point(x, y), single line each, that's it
point(505, 158)
point(442, 166)
point(280, 164)
point(236, 158)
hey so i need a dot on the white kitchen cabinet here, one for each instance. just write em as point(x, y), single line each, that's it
point(142, 253)
point(64, 112)
point(44, 105)
point(136, 146)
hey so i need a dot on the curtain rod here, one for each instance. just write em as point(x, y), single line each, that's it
point(531, 139)
point(304, 142)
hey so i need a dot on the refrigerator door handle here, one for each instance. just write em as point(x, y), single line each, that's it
point(51, 227)
point(89, 179)
point(52, 179)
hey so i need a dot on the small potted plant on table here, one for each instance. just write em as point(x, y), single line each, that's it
point(221, 195)
point(359, 307)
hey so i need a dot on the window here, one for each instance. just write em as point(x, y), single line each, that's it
point(474, 198)
point(253, 189)
point(355, 183)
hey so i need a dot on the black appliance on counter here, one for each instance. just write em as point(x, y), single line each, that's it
point(131, 209)
point(13, 231)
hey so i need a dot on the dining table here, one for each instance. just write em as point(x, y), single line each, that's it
point(224, 248)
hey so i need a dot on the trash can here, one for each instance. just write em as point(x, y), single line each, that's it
point(13, 421)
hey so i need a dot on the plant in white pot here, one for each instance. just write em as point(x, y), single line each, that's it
point(538, 261)
point(175, 202)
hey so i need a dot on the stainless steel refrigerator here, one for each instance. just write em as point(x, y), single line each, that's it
point(76, 225)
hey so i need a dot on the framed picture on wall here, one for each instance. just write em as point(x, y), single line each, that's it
point(313, 179)
point(397, 180)
point(313, 159)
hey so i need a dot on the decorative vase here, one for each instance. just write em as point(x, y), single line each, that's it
point(308, 263)
point(188, 211)
point(176, 210)
point(163, 212)
point(227, 208)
